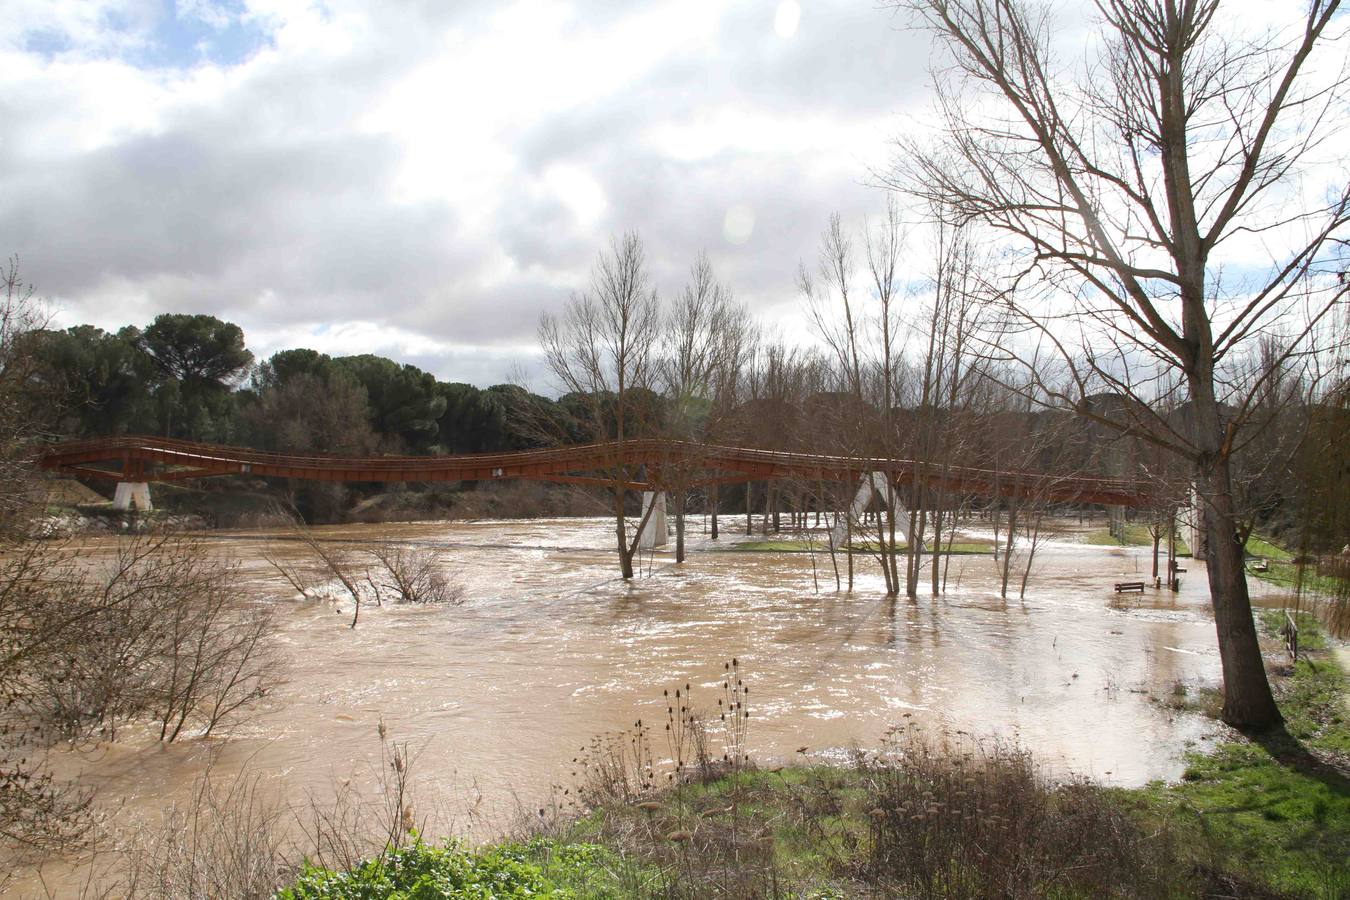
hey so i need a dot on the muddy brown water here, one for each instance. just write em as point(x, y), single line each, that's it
point(550, 649)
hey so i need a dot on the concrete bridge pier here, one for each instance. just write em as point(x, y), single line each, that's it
point(872, 484)
point(1193, 526)
point(655, 533)
point(133, 495)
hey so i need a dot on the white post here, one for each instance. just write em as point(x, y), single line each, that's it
point(133, 495)
point(655, 532)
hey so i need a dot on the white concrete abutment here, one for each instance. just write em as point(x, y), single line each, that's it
point(872, 485)
point(655, 532)
point(133, 495)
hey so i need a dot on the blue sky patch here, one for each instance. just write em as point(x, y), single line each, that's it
point(182, 39)
point(172, 35)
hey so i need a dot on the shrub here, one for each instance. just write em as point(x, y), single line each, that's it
point(422, 872)
point(982, 821)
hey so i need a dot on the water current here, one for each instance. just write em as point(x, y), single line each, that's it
point(550, 648)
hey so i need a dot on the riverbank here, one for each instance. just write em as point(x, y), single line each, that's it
point(933, 815)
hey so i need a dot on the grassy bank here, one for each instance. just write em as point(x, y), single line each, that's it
point(1275, 808)
point(1283, 571)
point(1135, 536)
point(932, 816)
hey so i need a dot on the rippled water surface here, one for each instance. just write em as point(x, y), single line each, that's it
point(550, 649)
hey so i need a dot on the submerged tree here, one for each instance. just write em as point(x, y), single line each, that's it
point(601, 350)
point(1186, 144)
point(704, 331)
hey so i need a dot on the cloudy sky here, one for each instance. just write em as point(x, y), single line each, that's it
point(421, 179)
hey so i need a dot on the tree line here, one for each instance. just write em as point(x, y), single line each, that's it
point(193, 377)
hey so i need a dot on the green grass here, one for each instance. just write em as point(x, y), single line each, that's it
point(790, 546)
point(1247, 812)
point(1310, 635)
point(1260, 547)
point(1282, 571)
point(1285, 575)
point(1135, 536)
point(778, 546)
point(1276, 808)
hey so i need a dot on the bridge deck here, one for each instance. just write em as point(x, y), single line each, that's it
point(164, 459)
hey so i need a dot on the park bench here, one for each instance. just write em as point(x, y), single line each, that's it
point(1260, 565)
point(1123, 586)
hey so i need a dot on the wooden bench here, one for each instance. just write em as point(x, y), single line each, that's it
point(1123, 586)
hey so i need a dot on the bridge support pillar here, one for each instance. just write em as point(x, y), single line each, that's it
point(654, 533)
point(133, 495)
point(872, 484)
point(1193, 526)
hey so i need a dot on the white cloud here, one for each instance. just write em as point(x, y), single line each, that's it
point(786, 18)
point(425, 178)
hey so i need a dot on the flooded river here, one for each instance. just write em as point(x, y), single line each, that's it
point(550, 649)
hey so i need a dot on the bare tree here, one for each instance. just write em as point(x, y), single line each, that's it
point(704, 330)
point(956, 372)
point(1123, 190)
point(336, 562)
point(602, 350)
point(412, 574)
point(832, 304)
point(21, 317)
point(160, 632)
point(863, 335)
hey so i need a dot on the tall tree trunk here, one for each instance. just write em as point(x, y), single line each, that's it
point(1007, 552)
point(679, 524)
point(749, 510)
point(712, 498)
point(912, 547)
point(848, 546)
point(1248, 702)
point(625, 558)
point(892, 586)
point(935, 555)
point(892, 499)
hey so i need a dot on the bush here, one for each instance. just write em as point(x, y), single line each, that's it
point(157, 633)
point(982, 821)
point(421, 872)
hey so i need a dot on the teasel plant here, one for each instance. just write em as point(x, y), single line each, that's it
point(734, 716)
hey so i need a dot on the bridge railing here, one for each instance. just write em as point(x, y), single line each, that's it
point(655, 452)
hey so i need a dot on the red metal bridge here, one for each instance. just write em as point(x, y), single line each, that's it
point(667, 463)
